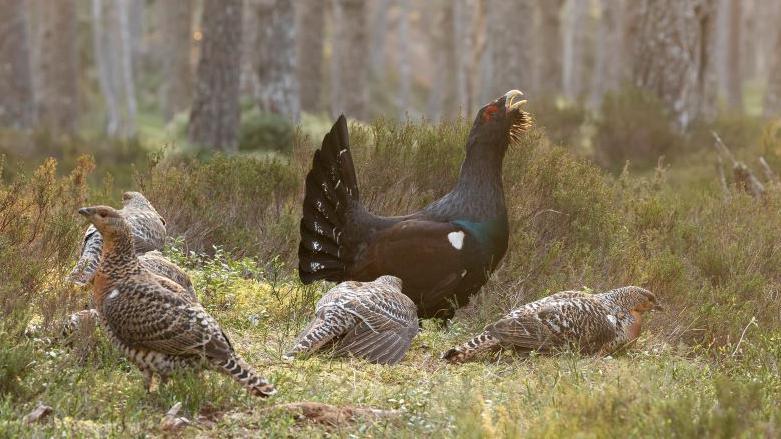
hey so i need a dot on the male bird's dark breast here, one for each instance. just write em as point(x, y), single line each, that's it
point(440, 263)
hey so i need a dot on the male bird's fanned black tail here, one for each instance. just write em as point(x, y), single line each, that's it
point(330, 199)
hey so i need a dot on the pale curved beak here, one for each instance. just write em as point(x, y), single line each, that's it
point(513, 101)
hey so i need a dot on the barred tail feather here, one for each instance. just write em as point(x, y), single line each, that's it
point(464, 352)
point(89, 259)
point(236, 368)
point(331, 196)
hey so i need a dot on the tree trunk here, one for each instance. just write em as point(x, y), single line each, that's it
point(104, 54)
point(214, 117)
point(277, 79)
point(405, 71)
point(17, 106)
point(379, 31)
point(126, 60)
point(734, 78)
point(442, 45)
point(574, 47)
point(176, 34)
point(772, 106)
point(57, 66)
point(608, 59)
point(351, 50)
point(671, 58)
point(510, 49)
point(310, 53)
point(551, 46)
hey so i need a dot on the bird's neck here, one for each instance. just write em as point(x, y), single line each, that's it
point(480, 180)
point(118, 253)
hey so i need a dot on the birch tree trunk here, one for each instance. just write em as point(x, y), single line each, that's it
point(309, 41)
point(17, 104)
point(277, 75)
point(214, 117)
point(671, 58)
point(551, 46)
point(510, 49)
point(176, 29)
point(57, 66)
point(351, 50)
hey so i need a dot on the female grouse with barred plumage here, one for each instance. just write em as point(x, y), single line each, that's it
point(443, 253)
point(592, 323)
point(151, 319)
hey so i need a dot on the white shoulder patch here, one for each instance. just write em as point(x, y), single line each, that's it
point(612, 319)
point(114, 293)
point(456, 239)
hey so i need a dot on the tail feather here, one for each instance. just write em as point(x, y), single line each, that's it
point(236, 368)
point(481, 343)
point(330, 198)
point(84, 270)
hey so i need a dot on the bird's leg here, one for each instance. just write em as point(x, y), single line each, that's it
point(471, 348)
point(149, 383)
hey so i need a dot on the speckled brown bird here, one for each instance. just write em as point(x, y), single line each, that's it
point(148, 231)
point(153, 261)
point(369, 320)
point(150, 318)
point(590, 323)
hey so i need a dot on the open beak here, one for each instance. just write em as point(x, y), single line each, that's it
point(513, 101)
point(86, 211)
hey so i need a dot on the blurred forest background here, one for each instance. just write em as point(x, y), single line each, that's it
point(236, 74)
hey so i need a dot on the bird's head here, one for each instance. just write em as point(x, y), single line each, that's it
point(107, 220)
point(638, 299)
point(502, 120)
point(135, 199)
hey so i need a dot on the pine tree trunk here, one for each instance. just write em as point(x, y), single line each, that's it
point(126, 61)
point(379, 31)
point(733, 70)
point(551, 46)
point(772, 105)
point(351, 50)
point(608, 59)
point(510, 49)
point(103, 54)
point(214, 117)
point(442, 89)
point(17, 106)
point(671, 58)
point(310, 53)
point(176, 35)
point(277, 78)
point(405, 70)
point(574, 47)
point(57, 66)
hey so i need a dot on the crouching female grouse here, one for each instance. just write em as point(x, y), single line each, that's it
point(370, 320)
point(590, 323)
point(443, 253)
point(151, 319)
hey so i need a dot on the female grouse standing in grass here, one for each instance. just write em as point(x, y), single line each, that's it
point(151, 319)
point(592, 323)
point(443, 253)
point(370, 320)
point(148, 230)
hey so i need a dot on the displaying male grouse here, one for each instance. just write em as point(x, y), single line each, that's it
point(148, 230)
point(443, 253)
point(591, 323)
point(370, 320)
point(151, 319)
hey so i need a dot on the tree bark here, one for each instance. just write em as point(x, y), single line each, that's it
point(17, 105)
point(103, 54)
point(214, 117)
point(442, 46)
point(733, 70)
point(405, 70)
point(671, 57)
point(551, 46)
point(772, 104)
point(574, 47)
point(510, 49)
point(609, 55)
point(57, 66)
point(176, 34)
point(351, 50)
point(126, 60)
point(277, 79)
point(310, 53)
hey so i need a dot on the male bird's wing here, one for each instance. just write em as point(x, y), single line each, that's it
point(149, 315)
point(422, 253)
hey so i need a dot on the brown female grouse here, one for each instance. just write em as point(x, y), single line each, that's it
point(591, 323)
point(370, 320)
point(151, 319)
point(147, 228)
point(443, 253)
